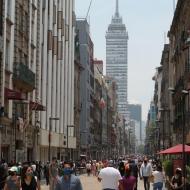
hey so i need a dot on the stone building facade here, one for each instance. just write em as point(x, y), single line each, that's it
point(179, 38)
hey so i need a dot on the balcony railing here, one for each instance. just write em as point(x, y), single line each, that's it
point(24, 76)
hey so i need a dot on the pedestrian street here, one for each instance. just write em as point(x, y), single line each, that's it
point(91, 183)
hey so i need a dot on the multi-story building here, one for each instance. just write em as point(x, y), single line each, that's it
point(117, 58)
point(37, 74)
point(2, 21)
point(151, 140)
point(87, 87)
point(57, 79)
point(77, 104)
point(97, 117)
point(19, 81)
point(135, 111)
point(179, 70)
point(165, 98)
point(105, 112)
point(111, 111)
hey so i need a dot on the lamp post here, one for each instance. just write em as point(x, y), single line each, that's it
point(50, 129)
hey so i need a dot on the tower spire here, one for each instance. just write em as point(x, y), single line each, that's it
point(117, 8)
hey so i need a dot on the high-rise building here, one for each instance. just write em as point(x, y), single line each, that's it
point(117, 58)
point(135, 113)
point(87, 87)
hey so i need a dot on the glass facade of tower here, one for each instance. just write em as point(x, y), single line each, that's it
point(117, 59)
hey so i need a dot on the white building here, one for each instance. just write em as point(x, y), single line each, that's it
point(57, 76)
point(117, 58)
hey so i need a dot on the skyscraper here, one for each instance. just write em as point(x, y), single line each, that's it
point(117, 58)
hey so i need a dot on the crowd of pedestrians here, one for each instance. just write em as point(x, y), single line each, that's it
point(121, 174)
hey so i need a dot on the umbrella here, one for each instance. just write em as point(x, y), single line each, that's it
point(178, 149)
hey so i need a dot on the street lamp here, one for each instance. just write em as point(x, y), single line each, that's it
point(50, 129)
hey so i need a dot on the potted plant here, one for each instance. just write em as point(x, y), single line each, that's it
point(168, 168)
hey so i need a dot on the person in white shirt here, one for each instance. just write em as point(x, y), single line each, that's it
point(158, 178)
point(145, 173)
point(88, 168)
point(109, 177)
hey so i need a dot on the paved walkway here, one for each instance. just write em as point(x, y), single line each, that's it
point(91, 183)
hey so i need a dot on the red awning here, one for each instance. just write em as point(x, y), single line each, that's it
point(178, 149)
point(37, 106)
point(14, 95)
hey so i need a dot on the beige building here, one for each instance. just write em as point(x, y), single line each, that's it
point(19, 89)
point(179, 71)
point(37, 79)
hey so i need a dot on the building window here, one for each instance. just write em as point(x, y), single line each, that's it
point(21, 19)
point(32, 57)
point(26, 60)
point(9, 3)
point(54, 14)
point(49, 40)
point(7, 56)
point(20, 56)
point(55, 45)
point(67, 32)
point(59, 19)
point(60, 51)
point(63, 27)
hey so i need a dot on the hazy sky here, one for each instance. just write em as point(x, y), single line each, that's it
point(146, 22)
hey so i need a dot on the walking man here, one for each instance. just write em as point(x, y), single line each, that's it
point(68, 181)
point(145, 173)
point(53, 173)
point(109, 177)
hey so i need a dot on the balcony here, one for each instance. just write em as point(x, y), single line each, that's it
point(23, 77)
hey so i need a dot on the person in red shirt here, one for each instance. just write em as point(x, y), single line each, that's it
point(128, 182)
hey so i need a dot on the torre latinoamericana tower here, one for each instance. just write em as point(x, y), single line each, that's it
point(117, 58)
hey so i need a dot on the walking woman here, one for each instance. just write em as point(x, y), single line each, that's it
point(128, 181)
point(28, 180)
point(177, 181)
point(12, 181)
point(158, 178)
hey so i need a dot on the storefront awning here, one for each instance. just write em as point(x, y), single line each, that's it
point(13, 95)
point(37, 106)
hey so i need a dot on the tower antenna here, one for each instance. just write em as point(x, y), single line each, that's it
point(174, 5)
point(89, 9)
point(117, 8)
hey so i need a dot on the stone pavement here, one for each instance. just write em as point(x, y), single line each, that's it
point(91, 183)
